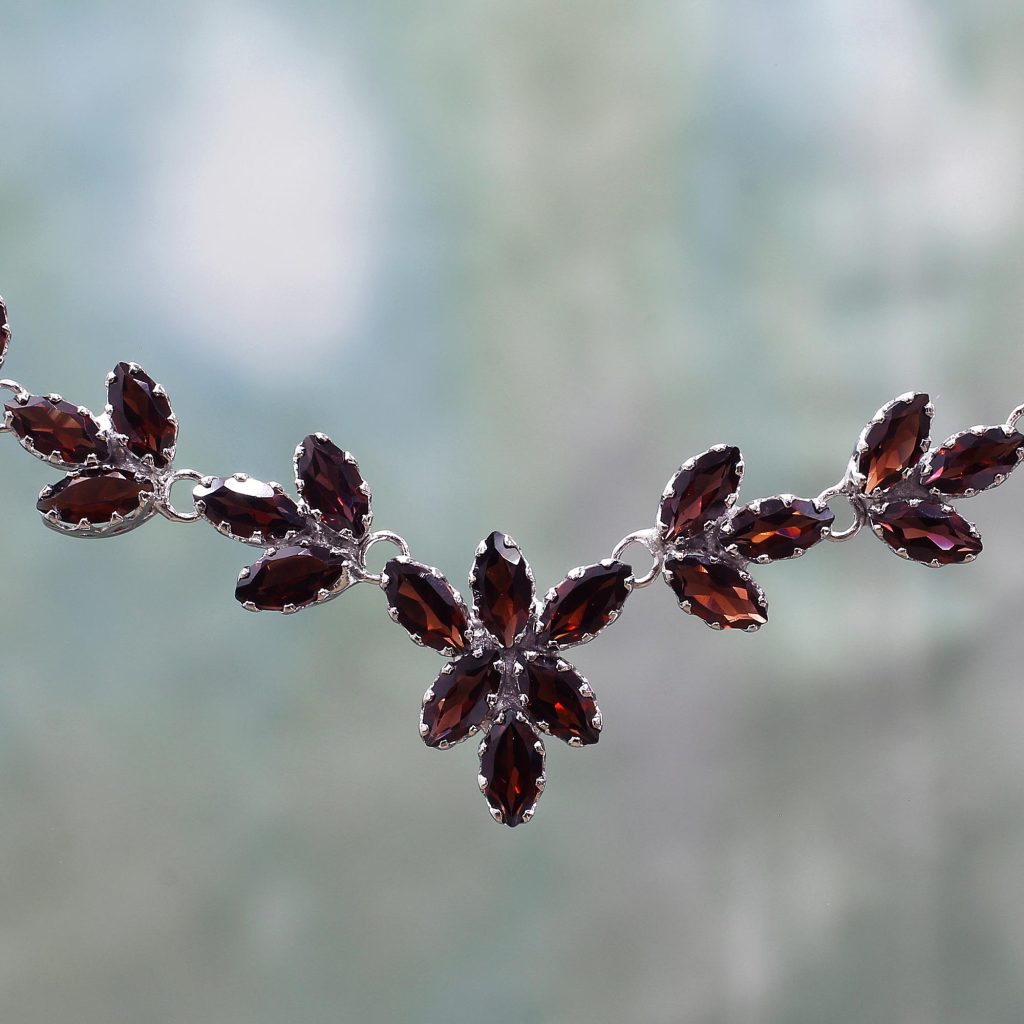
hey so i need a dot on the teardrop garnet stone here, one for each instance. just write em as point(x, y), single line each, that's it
point(53, 428)
point(926, 531)
point(5, 332)
point(248, 507)
point(422, 601)
point(456, 705)
point(895, 442)
point(140, 411)
point(95, 495)
point(512, 769)
point(717, 592)
point(502, 588)
point(701, 491)
point(586, 601)
point(973, 461)
point(329, 480)
point(289, 577)
point(777, 528)
point(561, 700)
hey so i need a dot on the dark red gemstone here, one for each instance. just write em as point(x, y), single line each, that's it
point(57, 428)
point(701, 491)
point(289, 577)
point(329, 480)
point(777, 528)
point(423, 602)
point(926, 531)
point(561, 700)
point(95, 495)
point(5, 331)
point(512, 769)
point(140, 411)
point(502, 588)
point(975, 461)
point(584, 603)
point(717, 592)
point(457, 703)
point(248, 507)
point(895, 442)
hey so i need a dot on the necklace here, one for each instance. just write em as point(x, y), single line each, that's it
point(506, 679)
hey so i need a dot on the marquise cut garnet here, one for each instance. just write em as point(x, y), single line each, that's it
point(502, 588)
point(777, 528)
point(561, 701)
point(717, 592)
point(584, 603)
point(96, 496)
point(52, 427)
point(457, 702)
point(926, 531)
point(329, 480)
point(512, 770)
point(289, 577)
point(140, 411)
point(423, 602)
point(973, 461)
point(895, 443)
point(248, 507)
point(700, 492)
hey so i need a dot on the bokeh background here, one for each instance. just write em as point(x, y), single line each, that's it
point(523, 258)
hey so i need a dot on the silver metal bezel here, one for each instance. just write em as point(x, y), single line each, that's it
point(317, 513)
point(116, 526)
point(853, 472)
point(748, 580)
point(483, 782)
point(91, 461)
point(427, 570)
point(481, 550)
point(574, 574)
point(727, 531)
point(323, 595)
point(584, 689)
point(256, 539)
point(970, 492)
point(690, 464)
point(877, 510)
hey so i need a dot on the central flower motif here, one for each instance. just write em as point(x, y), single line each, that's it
point(507, 678)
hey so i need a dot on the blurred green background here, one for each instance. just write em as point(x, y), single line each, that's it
point(522, 258)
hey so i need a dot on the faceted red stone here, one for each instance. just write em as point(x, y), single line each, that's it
point(292, 575)
point(561, 701)
point(927, 531)
point(95, 495)
point(248, 507)
point(141, 412)
point(57, 428)
point(459, 704)
point(972, 462)
point(329, 480)
point(5, 331)
point(512, 769)
point(502, 588)
point(423, 602)
point(895, 443)
point(717, 592)
point(700, 492)
point(777, 528)
point(584, 603)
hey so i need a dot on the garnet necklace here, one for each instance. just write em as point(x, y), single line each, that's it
point(506, 678)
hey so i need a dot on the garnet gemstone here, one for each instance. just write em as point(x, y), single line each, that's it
point(561, 701)
point(927, 531)
point(423, 602)
point(584, 603)
point(502, 588)
point(459, 704)
point(95, 495)
point(140, 411)
point(777, 528)
point(5, 331)
point(717, 592)
point(249, 507)
point(329, 480)
point(701, 491)
point(512, 770)
point(974, 461)
point(57, 428)
point(895, 442)
point(289, 576)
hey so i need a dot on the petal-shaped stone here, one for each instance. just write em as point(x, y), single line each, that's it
point(329, 480)
point(926, 531)
point(248, 507)
point(502, 588)
point(722, 595)
point(894, 441)
point(423, 602)
point(974, 460)
point(701, 491)
point(456, 705)
point(290, 577)
point(95, 495)
point(561, 700)
point(5, 331)
point(512, 769)
point(775, 528)
point(139, 410)
point(54, 428)
point(584, 603)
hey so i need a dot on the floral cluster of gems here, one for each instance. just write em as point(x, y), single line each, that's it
point(506, 678)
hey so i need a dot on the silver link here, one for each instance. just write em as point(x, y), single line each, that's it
point(651, 540)
point(360, 572)
point(1014, 417)
point(163, 498)
point(860, 516)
